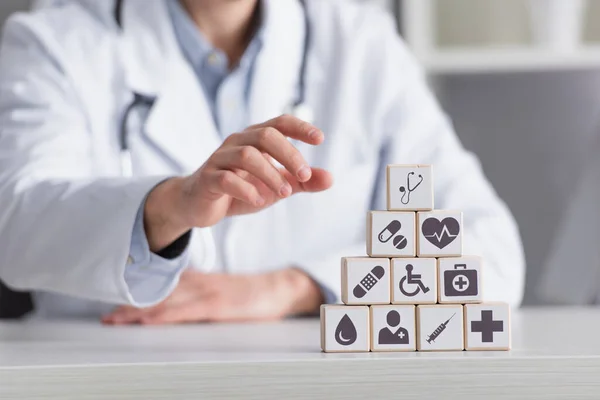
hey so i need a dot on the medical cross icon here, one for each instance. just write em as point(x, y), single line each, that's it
point(487, 326)
point(460, 282)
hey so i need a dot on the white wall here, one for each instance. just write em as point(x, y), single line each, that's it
point(7, 7)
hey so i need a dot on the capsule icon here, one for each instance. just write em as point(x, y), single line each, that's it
point(389, 231)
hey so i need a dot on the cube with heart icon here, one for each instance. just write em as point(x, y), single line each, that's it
point(439, 233)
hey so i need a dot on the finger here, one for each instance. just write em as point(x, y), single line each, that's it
point(250, 159)
point(123, 315)
point(320, 180)
point(294, 128)
point(228, 183)
point(196, 311)
point(271, 141)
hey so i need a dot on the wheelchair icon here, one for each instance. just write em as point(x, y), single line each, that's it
point(412, 279)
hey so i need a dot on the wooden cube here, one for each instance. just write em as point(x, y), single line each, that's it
point(393, 328)
point(439, 233)
point(414, 281)
point(391, 234)
point(344, 328)
point(409, 187)
point(487, 326)
point(460, 280)
point(365, 280)
point(440, 328)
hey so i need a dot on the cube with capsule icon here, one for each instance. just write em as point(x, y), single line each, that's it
point(391, 234)
point(409, 187)
point(365, 280)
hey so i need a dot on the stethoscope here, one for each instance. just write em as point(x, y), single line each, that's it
point(408, 189)
point(298, 108)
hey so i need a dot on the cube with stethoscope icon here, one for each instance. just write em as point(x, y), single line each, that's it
point(415, 282)
point(409, 187)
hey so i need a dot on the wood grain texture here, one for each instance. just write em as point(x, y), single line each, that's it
point(66, 360)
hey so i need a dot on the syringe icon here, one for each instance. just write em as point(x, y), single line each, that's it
point(439, 330)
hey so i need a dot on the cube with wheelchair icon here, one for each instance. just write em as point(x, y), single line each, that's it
point(414, 281)
point(460, 279)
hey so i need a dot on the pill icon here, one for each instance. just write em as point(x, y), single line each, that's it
point(389, 231)
point(400, 242)
point(368, 282)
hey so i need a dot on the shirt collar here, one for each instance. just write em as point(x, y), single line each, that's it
point(197, 49)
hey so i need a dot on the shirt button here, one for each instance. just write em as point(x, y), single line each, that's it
point(129, 260)
point(213, 59)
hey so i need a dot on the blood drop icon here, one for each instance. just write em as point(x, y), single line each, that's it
point(345, 333)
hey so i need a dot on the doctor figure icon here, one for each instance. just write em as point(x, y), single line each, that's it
point(388, 335)
point(412, 279)
point(412, 183)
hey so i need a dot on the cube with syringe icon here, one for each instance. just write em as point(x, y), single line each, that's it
point(427, 274)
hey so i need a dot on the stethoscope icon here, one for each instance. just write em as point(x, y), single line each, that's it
point(405, 199)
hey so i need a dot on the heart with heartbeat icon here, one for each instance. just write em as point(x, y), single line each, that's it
point(440, 233)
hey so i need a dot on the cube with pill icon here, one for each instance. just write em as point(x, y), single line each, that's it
point(365, 280)
point(409, 187)
point(391, 234)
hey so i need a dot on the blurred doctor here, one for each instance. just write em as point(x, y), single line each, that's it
point(137, 149)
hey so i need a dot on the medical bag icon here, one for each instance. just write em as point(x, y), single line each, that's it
point(460, 281)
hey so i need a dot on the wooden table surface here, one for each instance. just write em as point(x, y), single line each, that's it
point(556, 355)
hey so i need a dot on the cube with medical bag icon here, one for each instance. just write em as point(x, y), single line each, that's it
point(409, 187)
point(365, 280)
point(460, 279)
point(391, 234)
point(414, 281)
point(439, 233)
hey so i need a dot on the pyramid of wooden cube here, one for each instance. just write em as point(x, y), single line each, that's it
point(415, 291)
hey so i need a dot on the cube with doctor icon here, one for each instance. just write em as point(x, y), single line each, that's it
point(409, 187)
point(393, 328)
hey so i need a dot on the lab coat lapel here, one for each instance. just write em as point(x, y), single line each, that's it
point(179, 124)
point(275, 79)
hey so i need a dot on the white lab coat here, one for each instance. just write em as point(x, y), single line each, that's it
point(67, 74)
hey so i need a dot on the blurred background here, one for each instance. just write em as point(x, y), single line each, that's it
point(520, 79)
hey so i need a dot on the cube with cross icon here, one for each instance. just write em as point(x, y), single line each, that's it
point(487, 326)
